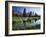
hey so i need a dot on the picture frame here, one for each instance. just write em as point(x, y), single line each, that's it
point(11, 6)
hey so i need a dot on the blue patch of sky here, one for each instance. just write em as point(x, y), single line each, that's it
point(28, 9)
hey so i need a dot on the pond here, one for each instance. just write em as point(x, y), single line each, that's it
point(27, 23)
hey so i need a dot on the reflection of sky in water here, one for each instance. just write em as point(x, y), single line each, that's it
point(38, 21)
point(27, 23)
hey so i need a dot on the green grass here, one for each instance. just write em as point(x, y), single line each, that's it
point(23, 18)
point(26, 28)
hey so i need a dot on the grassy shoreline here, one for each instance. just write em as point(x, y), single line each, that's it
point(26, 28)
point(23, 18)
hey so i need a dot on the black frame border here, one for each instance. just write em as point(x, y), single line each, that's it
point(6, 18)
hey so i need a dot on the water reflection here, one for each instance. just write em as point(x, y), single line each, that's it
point(27, 23)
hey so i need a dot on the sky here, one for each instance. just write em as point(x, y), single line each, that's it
point(28, 9)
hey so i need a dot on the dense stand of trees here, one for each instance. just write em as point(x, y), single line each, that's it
point(24, 14)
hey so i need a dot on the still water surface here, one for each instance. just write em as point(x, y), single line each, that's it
point(27, 23)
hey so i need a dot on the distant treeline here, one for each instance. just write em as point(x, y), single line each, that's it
point(24, 14)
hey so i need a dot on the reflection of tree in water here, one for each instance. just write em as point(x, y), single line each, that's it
point(36, 20)
point(24, 22)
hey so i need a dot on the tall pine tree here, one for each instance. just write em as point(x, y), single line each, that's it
point(24, 15)
point(24, 12)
